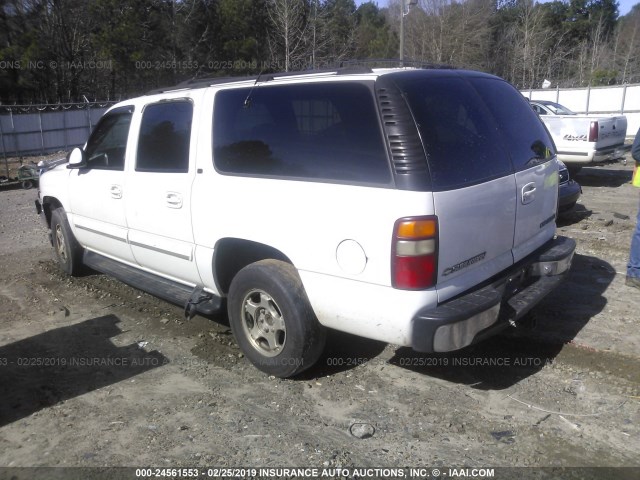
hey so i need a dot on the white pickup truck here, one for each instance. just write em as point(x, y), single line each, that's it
point(582, 140)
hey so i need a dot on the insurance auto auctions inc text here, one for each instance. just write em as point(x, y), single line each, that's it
point(376, 472)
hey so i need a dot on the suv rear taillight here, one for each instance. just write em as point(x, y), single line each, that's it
point(414, 253)
point(593, 132)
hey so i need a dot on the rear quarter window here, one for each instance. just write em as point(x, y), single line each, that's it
point(321, 132)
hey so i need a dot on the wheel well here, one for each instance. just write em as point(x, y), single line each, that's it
point(49, 204)
point(233, 254)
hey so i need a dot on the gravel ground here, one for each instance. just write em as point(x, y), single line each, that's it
point(94, 373)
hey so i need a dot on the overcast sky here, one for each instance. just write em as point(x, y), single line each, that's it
point(624, 5)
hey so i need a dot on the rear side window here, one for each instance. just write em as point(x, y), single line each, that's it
point(458, 132)
point(318, 131)
point(524, 135)
point(164, 137)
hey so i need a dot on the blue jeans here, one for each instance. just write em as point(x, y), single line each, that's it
point(633, 268)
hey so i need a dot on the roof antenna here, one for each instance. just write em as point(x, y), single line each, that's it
point(247, 101)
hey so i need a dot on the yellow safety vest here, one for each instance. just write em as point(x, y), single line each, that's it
point(635, 180)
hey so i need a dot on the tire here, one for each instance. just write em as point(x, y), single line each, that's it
point(66, 248)
point(272, 320)
point(27, 184)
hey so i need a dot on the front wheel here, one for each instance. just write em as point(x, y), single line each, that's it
point(67, 250)
point(272, 320)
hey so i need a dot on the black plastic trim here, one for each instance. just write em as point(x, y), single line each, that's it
point(404, 145)
point(169, 290)
point(98, 232)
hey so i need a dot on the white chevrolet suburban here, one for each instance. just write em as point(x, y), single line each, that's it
point(415, 207)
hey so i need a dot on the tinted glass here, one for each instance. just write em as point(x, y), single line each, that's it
point(315, 131)
point(558, 109)
point(525, 137)
point(108, 141)
point(164, 137)
point(539, 110)
point(458, 132)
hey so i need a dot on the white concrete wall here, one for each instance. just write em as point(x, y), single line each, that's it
point(597, 101)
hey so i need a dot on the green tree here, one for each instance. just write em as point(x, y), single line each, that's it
point(133, 35)
point(243, 32)
point(374, 37)
point(341, 23)
point(199, 31)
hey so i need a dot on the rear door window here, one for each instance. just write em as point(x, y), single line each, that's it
point(458, 131)
point(321, 132)
point(525, 137)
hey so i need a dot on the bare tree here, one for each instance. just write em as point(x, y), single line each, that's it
point(529, 36)
point(447, 31)
point(630, 56)
point(317, 33)
point(287, 35)
point(426, 31)
point(626, 47)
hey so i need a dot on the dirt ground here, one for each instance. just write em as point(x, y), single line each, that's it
point(95, 373)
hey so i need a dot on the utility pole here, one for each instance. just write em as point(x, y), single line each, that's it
point(404, 5)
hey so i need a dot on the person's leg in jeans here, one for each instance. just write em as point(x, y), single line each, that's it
point(633, 268)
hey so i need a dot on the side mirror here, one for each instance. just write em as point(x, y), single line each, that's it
point(76, 158)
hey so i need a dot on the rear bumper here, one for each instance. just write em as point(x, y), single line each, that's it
point(469, 318)
point(611, 153)
point(593, 156)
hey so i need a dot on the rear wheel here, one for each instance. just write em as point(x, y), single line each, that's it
point(272, 319)
point(27, 184)
point(67, 250)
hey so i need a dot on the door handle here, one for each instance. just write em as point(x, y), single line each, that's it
point(528, 193)
point(173, 199)
point(116, 191)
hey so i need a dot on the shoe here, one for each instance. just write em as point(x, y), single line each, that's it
point(632, 282)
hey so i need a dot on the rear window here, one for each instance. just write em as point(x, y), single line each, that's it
point(459, 134)
point(525, 137)
point(322, 131)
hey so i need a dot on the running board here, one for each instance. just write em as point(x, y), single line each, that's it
point(192, 299)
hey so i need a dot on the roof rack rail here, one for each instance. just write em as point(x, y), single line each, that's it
point(395, 63)
point(349, 70)
point(200, 83)
point(265, 77)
